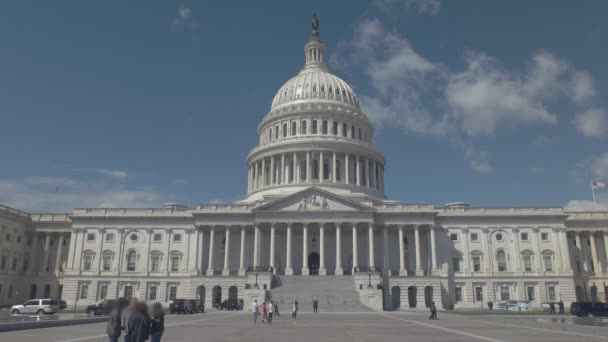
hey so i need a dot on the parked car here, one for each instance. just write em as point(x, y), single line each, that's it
point(589, 309)
point(186, 306)
point(62, 304)
point(36, 306)
point(230, 305)
point(102, 308)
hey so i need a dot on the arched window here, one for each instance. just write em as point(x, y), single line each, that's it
point(331, 90)
point(293, 129)
point(322, 89)
point(303, 127)
point(352, 132)
point(548, 260)
point(276, 132)
point(314, 88)
point(131, 261)
point(344, 130)
point(284, 130)
point(501, 260)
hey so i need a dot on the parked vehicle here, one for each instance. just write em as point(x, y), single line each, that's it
point(102, 308)
point(230, 305)
point(186, 306)
point(589, 309)
point(36, 306)
point(62, 304)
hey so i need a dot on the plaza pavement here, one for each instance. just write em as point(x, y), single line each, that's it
point(351, 327)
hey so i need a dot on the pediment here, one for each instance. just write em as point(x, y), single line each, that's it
point(313, 199)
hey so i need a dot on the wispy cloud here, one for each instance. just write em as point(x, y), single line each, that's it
point(185, 21)
point(120, 174)
point(395, 7)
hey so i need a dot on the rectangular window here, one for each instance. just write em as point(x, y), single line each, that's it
point(454, 237)
point(456, 264)
point(476, 264)
point(156, 263)
point(527, 263)
point(314, 126)
point(360, 133)
point(551, 293)
point(352, 132)
point(548, 260)
point(158, 237)
point(3, 262)
point(84, 291)
point(324, 127)
point(479, 294)
point(458, 294)
point(91, 237)
point(172, 292)
point(335, 128)
point(107, 262)
point(474, 237)
point(128, 292)
point(524, 236)
point(109, 237)
point(152, 295)
point(544, 236)
point(103, 291)
point(530, 293)
point(504, 293)
point(174, 263)
point(88, 261)
point(177, 237)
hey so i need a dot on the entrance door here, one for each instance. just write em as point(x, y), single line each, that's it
point(313, 263)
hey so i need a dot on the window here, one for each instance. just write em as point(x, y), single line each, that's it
point(177, 237)
point(3, 262)
point(548, 261)
point(293, 128)
point(270, 134)
point(26, 264)
point(131, 261)
point(133, 237)
point(477, 263)
point(499, 237)
point(103, 291)
point(314, 126)
point(501, 260)
point(551, 293)
point(276, 132)
point(530, 293)
point(524, 236)
point(84, 291)
point(504, 293)
point(172, 292)
point(458, 294)
point(479, 294)
point(109, 237)
point(303, 127)
point(128, 292)
point(324, 127)
point(527, 262)
point(158, 237)
point(155, 263)
point(344, 130)
point(284, 130)
point(152, 295)
point(335, 128)
point(352, 131)
point(91, 237)
point(456, 264)
point(175, 263)
point(474, 237)
point(88, 262)
point(315, 169)
point(11, 289)
point(325, 168)
point(14, 267)
point(544, 236)
point(454, 236)
point(107, 262)
point(359, 133)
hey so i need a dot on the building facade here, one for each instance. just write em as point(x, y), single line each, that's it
point(315, 207)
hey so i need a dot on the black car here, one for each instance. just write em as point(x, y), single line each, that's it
point(230, 305)
point(186, 306)
point(589, 309)
point(62, 304)
point(102, 308)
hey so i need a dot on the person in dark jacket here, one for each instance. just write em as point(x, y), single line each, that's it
point(138, 324)
point(561, 307)
point(157, 326)
point(114, 327)
point(433, 311)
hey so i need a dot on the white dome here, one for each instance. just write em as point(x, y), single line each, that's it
point(316, 84)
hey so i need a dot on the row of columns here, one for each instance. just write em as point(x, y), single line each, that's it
point(46, 253)
point(283, 172)
point(322, 269)
point(599, 266)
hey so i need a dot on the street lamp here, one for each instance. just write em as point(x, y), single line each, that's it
point(369, 285)
point(256, 286)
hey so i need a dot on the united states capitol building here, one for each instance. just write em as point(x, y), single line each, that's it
point(315, 219)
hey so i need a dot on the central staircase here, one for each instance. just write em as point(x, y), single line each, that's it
point(334, 293)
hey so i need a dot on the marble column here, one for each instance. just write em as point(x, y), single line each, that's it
point(334, 176)
point(226, 270)
point(339, 270)
point(288, 263)
point(272, 171)
point(308, 167)
point(346, 169)
point(321, 168)
point(305, 270)
point(402, 268)
point(516, 250)
point(272, 250)
point(201, 243)
point(596, 261)
point(537, 256)
point(578, 253)
point(358, 171)
point(210, 270)
point(563, 240)
point(256, 247)
point(47, 251)
point(283, 179)
point(322, 269)
point(466, 251)
point(559, 265)
point(294, 171)
point(263, 172)
point(59, 258)
point(370, 230)
point(355, 254)
point(433, 249)
point(419, 271)
point(385, 264)
point(487, 262)
point(242, 255)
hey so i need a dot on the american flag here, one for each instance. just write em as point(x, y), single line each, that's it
point(598, 185)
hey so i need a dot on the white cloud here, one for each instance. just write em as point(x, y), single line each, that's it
point(426, 7)
point(585, 205)
point(108, 172)
point(582, 86)
point(592, 122)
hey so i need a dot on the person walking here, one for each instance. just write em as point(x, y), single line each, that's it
point(294, 311)
point(138, 324)
point(433, 311)
point(315, 305)
point(552, 308)
point(264, 312)
point(114, 327)
point(270, 309)
point(276, 310)
point(561, 307)
point(254, 311)
point(157, 325)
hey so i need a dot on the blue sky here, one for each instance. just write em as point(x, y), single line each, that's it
point(127, 104)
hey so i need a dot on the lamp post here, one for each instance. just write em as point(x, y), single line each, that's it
point(256, 286)
point(369, 285)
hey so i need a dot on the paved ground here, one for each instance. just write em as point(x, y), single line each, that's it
point(352, 327)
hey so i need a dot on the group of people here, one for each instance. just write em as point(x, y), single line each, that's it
point(135, 322)
point(267, 311)
point(560, 304)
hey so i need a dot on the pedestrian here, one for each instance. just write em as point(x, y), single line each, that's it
point(157, 326)
point(114, 322)
point(264, 312)
point(552, 308)
point(126, 314)
point(270, 309)
point(138, 324)
point(315, 305)
point(276, 310)
point(294, 311)
point(561, 307)
point(433, 311)
point(255, 311)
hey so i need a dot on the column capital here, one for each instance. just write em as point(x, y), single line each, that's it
point(400, 225)
point(464, 229)
point(535, 229)
point(416, 227)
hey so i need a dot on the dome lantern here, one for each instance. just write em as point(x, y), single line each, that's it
point(314, 50)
